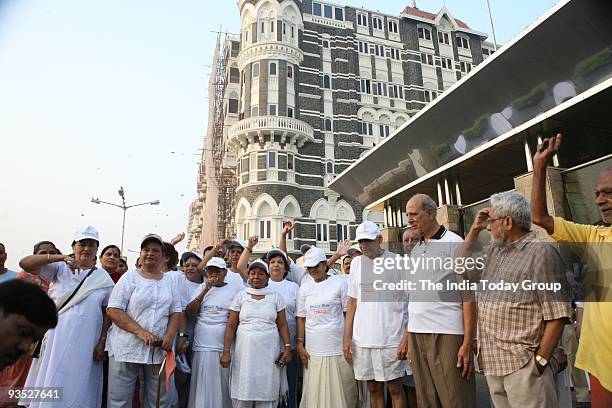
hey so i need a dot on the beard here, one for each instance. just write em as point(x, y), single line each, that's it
point(497, 242)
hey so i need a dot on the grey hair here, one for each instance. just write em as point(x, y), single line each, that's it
point(427, 202)
point(512, 204)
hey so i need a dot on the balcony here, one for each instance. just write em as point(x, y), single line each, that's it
point(273, 50)
point(291, 130)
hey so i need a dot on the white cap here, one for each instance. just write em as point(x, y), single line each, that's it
point(259, 264)
point(367, 230)
point(152, 237)
point(237, 243)
point(216, 262)
point(87, 232)
point(313, 257)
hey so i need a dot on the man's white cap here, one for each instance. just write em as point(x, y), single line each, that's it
point(367, 230)
point(216, 262)
point(313, 257)
point(259, 264)
point(87, 232)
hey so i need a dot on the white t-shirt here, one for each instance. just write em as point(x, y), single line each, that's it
point(288, 292)
point(150, 303)
point(297, 274)
point(212, 318)
point(436, 316)
point(377, 323)
point(323, 305)
point(233, 278)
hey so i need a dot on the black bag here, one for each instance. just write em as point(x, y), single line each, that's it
point(36, 351)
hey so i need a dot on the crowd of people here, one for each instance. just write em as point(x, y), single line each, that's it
point(267, 331)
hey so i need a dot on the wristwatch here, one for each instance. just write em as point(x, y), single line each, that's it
point(542, 362)
point(185, 335)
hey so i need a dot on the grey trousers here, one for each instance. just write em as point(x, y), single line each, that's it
point(121, 380)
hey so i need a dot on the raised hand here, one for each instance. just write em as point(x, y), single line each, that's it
point(343, 247)
point(545, 150)
point(253, 241)
point(178, 238)
point(287, 227)
point(481, 220)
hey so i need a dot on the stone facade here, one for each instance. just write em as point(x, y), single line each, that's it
point(342, 79)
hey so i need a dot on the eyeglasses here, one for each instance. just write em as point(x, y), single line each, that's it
point(492, 220)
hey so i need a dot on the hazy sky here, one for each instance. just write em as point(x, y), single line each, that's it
point(99, 94)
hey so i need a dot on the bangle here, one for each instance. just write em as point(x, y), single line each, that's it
point(248, 249)
point(288, 345)
point(300, 340)
point(198, 300)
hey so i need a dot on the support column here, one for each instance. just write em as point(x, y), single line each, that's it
point(448, 215)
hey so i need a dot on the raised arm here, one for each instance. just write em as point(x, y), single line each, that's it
point(343, 247)
point(179, 237)
point(33, 263)
point(212, 253)
point(243, 261)
point(282, 243)
point(539, 212)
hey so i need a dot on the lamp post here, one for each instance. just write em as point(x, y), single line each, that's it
point(124, 208)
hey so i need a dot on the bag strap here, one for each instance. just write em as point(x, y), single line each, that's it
point(76, 290)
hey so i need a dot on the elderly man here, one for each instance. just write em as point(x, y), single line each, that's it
point(410, 238)
point(440, 325)
point(519, 328)
point(375, 321)
point(595, 349)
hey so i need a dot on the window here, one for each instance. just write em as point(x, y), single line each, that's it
point(289, 71)
point(328, 125)
point(447, 63)
point(424, 33)
point(233, 106)
point(465, 67)
point(329, 168)
point(463, 42)
point(365, 86)
point(284, 29)
point(393, 28)
point(379, 50)
point(265, 227)
point(271, 160)
point(292, 31)
point(253, 161)
point(430, 95)
point(263, 27)
point(395, 54)
point(427, 59)
point(316, 9)
point(272, 23)
point(290, 161)
point(273, 68)
point(339, 14)
point(245, 165)
point(322, 231)
point(272, 110)
point(342, 232)
point(384, 130)
point(234, 75)
point(326, 82)
point(382, 89)
point(290, 112)
point(366, 129)
point(246, 36)
point(397, 91)
point(443, 38)
point(486, 51)
point(377, 23)
point(256, 70)
point(325, 43)
point(362, 20)
point(255, 111)
point(363, 47)
point(327, 11)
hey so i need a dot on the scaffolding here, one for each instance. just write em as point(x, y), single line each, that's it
point(225, 177)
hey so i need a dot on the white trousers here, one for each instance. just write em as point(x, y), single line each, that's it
point(121, 380)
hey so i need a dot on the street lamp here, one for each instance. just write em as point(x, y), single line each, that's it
point(124, 208)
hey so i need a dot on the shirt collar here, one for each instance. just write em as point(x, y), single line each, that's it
point(438, 235)
point(524, 240)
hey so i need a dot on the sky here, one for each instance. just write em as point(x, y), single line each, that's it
point(100, 94)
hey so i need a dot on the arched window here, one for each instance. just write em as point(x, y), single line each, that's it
point(328, 125)
point(329, 168)
point(326, 82)
point(272, 69)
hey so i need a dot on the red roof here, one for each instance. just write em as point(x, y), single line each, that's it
point(429, 16)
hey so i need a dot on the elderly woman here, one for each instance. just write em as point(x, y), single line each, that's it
point(123, 266)
point(210, 381)
point(278, 266)
point(145, 308)
point(233, 250)
point(71, 354)
point(328, 378)
point(259, 317)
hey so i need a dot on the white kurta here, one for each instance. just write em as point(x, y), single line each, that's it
point(67, 360)
point(254, 376)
